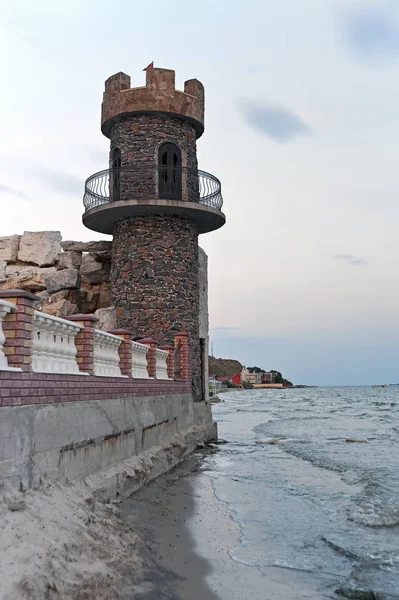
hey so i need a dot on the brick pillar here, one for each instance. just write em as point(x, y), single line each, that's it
point(18, 329)
point(151, 360)
point(170, 361)
point(183, 368)
point(125, 350)
point(84, 342)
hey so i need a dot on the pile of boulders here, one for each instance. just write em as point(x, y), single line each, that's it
point(69, 277)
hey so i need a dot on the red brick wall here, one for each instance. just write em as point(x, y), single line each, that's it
point(41, 388)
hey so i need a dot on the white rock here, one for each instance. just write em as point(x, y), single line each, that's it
point(9, 248)
point(24, 269)
point(106, 318)
point(69, 260)
point(12, 270)
point(3, 265)
point(61, 308)
point(67, 279)
point(40, 247)
point(98, 246)
point(93, 270)
point(30, 279)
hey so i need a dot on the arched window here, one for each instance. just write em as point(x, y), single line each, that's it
point(169, 172)
point(116, 175)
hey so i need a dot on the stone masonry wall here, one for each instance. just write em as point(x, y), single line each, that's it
point(138, 138)
point(155, 280)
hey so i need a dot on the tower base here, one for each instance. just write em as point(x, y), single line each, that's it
point(155, 281)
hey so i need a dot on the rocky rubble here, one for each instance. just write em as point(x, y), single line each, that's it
point(69, 277)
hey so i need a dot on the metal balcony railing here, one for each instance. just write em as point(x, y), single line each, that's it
point(164, 183)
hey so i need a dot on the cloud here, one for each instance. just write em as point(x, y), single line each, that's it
point(60, 181)
point(351, 260)
point(100, 156)
point(372, 31)
point(13, 192)
point(273, 121)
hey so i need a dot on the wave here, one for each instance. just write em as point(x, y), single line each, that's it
point(377, 505)
point(279, 563)
point(372, 518)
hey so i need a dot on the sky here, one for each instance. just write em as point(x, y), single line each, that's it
point(301, 129)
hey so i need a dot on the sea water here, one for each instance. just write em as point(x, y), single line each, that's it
point(314, 502)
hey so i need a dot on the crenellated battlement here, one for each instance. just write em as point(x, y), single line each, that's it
point(159, 95)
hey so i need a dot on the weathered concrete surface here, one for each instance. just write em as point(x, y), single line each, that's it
point(65, 441)
point(202, 413)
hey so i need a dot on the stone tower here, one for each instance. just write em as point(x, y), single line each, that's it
point(155, 202)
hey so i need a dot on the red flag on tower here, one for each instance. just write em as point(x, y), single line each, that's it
point(150, 66)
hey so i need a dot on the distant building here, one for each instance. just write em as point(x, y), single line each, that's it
point(225, 378)
point(237, 379)
point(215, 386)
point(269, 377)
point(255, 378)
point(247, 376)
point(244, 376)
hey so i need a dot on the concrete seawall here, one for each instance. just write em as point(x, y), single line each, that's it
point(69, 440)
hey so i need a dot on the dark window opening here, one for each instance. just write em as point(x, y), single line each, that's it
point(116, 175)
point(169, 172)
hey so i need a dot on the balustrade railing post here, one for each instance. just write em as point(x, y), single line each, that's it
point(18, 329)
point(84, 342)
point(170, 361)
point(151, 359)
point(182, 348)
point(5, 309)
point(125, 350)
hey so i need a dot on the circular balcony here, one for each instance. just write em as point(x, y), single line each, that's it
point(111, 195)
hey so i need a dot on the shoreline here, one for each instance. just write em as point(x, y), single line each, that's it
point(187, 535)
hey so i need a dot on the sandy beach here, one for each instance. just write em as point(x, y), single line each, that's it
point(186, 536)
point(170, 540)
point(68, 541)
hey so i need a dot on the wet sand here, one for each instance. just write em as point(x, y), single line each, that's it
point(187, 533)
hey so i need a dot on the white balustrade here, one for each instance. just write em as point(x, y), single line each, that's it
point(54, 349)
point(106, 355)
point(161, 364)
point(5, 309)
point(139, 360)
